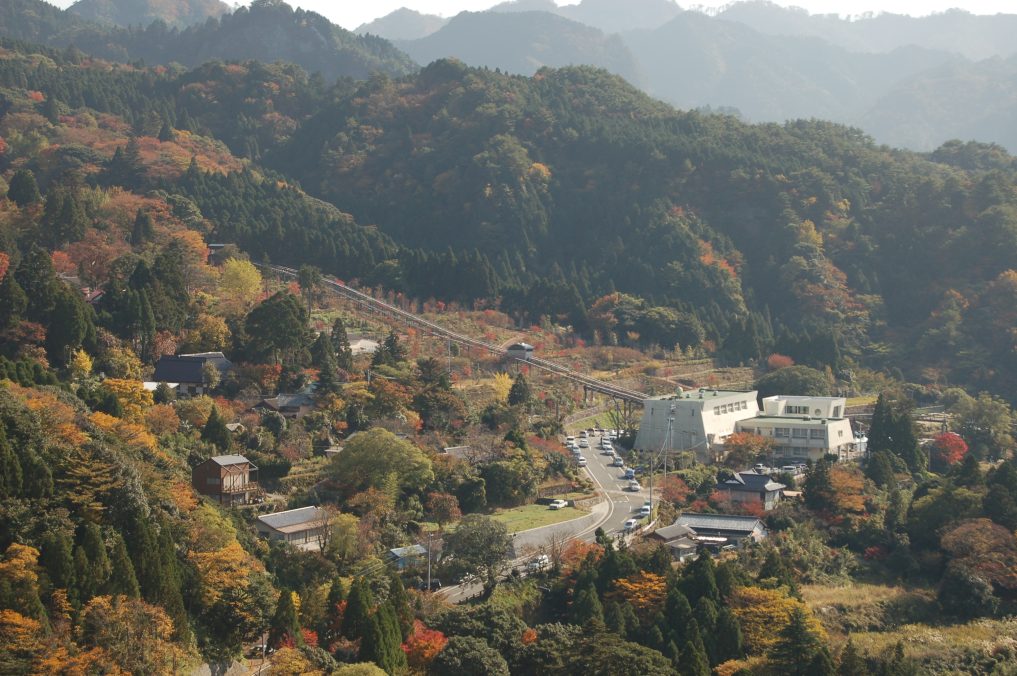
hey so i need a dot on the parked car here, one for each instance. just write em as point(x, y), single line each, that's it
point(630, 473)
point(558, 504)
point(630, 524)
point(618, 462)
point(605, 443)
point(790, 469)
point(634, 486)
point(538, 563)
point(583, 434)
point(583, 443)
point(581, 461)
point(760, 468)
point(435, 585)
point(644, 511)
point(569, 440)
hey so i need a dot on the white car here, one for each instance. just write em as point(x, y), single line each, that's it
point(581, 461)
point(558, 504)
point(618, 462)
point(583, 443)
point(630, 524)
point(583, 434)
point(570, 440)
point(634, 486)
point(644, 511)
point(538, 563)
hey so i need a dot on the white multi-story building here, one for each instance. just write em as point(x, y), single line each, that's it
point(698, 420)
point(803, 428)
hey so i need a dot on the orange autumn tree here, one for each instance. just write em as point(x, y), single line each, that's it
point(644, 590)
point(422, 646)
point(762, 613)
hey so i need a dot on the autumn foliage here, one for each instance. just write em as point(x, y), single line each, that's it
point(423, 645)
point(948, 449)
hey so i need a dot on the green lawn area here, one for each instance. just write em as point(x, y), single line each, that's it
point(534, 516)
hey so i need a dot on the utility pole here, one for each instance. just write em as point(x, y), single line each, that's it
point(429, 535)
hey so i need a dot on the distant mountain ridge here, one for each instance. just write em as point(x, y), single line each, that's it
point(522, 43)
point(268, 31)
point(403, 24)
point(176, 13)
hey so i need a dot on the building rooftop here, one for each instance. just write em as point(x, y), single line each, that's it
point(674, 531)
point(186, 368)
point(694, 395)
point(293, 519)
point(227, 460)
point(800, 397)
point(751, 481)
point(731, 522)
point(408, 552)
point(796, 419)
point(281, 401)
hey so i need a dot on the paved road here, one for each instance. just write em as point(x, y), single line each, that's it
point(618, 506)
point(624, 504)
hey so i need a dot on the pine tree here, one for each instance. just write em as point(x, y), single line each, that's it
point(393, 659)
point(699, 581)
point(285, 625)
point(92, 564)
point(773, 568)
point(13, 302)
point(143, 229)
point(586, 609)
point(851, 663)
point(728, 638)
point(520, 394)
point(56, 557)
point(821, 664)
point(694, 661)
point(677, 613)
point(796, 646)
point(341, 346)
point(11, 477)
point(23, 190)
point(169, 590)
point(122, 579)
point(324, 359)
point(166, 132)
point(400, 601)
point(358, 610)
point(215, 431)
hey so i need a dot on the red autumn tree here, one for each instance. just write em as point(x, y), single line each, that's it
point(947, 450)
point(422, 646)
point(675, 490)
point(443, 508)
point(779, 361)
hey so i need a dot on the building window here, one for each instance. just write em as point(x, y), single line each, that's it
point(716, 410)
point(816, 434)
point(840, 433)
point(800, 434)
point(782, 432)
point(212, 481)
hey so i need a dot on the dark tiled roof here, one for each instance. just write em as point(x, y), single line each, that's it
point(282, 401)
point(675, 530)
point(186, 368)
point(730, 522)
point(751, 481)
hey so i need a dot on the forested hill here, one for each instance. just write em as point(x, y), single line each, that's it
point(573, 195)
point(575, 176)
point(268, 30)
point(179, 13)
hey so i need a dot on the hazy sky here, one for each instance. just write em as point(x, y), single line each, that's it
point(350, 14)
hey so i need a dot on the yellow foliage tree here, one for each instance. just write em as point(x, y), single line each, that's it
point(210, 333)
point(132, 395)
point(136, 636)
point(763, 613)
point(123, 363)
point(20, 642)
point(501, 385)
point(81, 365)
point(645, 591)
point(239, 286)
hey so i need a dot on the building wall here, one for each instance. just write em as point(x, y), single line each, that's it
point(816, 407)
point(701, 419)
point(797, 439)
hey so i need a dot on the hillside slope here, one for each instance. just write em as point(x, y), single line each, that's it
point(176, 13)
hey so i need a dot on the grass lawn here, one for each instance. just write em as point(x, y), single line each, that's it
point(534, 516)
